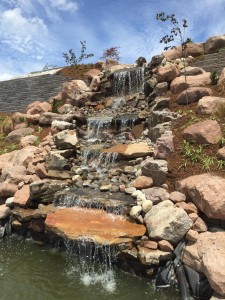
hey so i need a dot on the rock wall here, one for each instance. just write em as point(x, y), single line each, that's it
point(16, 94)
point(211, 62)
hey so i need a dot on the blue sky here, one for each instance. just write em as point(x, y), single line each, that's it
point(34, 33)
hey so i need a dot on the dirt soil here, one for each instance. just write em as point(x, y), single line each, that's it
point(78, 72)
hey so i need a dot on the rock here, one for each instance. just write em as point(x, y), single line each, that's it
point(32, 119)
point(95, 83)
point(221, 77)
point(152, 257)
point(209, 198)
point(66, 139)
point(167, 222)
point(105, 187)
point(199, 225)
point(135, 211)
point(17, 118)
point(188, 207)
point(157, 131)
point(41, 171)
point(156, 169)
point(141, 61)
point(73, 88)
point(38, 107)
point(192, 235)
point(55, 161)
point(161, 88)
point(61, 125)
point(177, 197)
point(193, 217)
point(165, 246)
point(29, 140)
point(207, 256)
point(192, 71)
point(205, 132)
point(214, 43)
point(4, 211)
point(162, 116)
point(130, 150)
point(221, 153)
point(143, 182)
point(149, 244)
point(22, 196)
point(216, 296)
point(130, 190)
point(179, 84)
point(47, 118)
point(146, 205)
point(91, 73)
point(164, 146)
point(43, 191)
point(193, 49)
point(156, 194)
point(94, 225)
point(193, 94)
point(149, 86)
point(209, 105)
point(167, 73)
point(15, 135)
point(160, 103)
point(9, 202)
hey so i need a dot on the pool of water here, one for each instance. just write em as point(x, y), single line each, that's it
point(38, 272)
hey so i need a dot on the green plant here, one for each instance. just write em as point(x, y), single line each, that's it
point(72, 59)
point(222, 141)
point(191, 152)
point(214, 78)
point(220, 164)
point(56, 104)
point(207, 162)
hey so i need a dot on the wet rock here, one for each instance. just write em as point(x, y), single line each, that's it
point(209, 198)
point(207, 255)
point(179, 84)
point(156, 169)
point(22, 215)
point(55, 161)
point(209, 105)
point(156, 194)
point(167, 222)
point(66, 139)
point(4, 211)
point(193, 94)
point(16, 135)
point(94, 225)
point(60, 174)
point(205, 132)
point(152, 257)
point(162, 116)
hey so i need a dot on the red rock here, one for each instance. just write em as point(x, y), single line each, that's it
point(199, 225)
point(93, 224)
point(209, 105)
point(207, 255)
point(143, 182)
point(207, 192)
point(21, 197)
point(188, 207)
point(193, 94)
point(149, 244)
point(16, 135)
point(193, 217)
point(165, 246)
point(205, 132)
point(130, 150)
point(192, 235)
point(41, 171)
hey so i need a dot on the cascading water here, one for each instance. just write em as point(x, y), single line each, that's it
point(96, 126)
point(128, 81)
point(98, 160)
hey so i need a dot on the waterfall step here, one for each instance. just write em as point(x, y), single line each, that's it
point(93, 225)
point(117, 203)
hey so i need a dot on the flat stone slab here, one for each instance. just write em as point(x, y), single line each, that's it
point(131, 150)
point(94, 225)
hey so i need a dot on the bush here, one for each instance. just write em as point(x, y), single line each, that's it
point(111, 53)
point(214, 77)
point(72, 59)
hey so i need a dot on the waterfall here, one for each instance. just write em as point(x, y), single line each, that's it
point(94, 263)
point(96, 126)
point(98, 160)
point(123, 122)
point(128, 81)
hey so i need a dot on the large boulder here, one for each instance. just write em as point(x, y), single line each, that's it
point(167, 73)
point(207, 192)
point(167, 222)
point(180, 84)
point(193, 94)
point(192, 71)
point(222, 77)
point(205, 132)
point(156, 169)
point(47, 118)
point(193, 49)
point(214, 43)
point(16, 135)
point(207, 255)
point(38, 107)
point(73, 88)
point(209, 105)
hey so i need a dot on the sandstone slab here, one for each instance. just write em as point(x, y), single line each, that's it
point(130, 150)
point(92, 224)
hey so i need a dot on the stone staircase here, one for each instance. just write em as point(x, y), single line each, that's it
point(211, 62)
point(16, 94)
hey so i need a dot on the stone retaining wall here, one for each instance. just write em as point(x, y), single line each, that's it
point(211, 62)
point(16, 94)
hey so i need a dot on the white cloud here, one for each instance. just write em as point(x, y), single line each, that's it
point(64, 5)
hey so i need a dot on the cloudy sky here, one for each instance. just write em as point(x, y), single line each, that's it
point(34, 33)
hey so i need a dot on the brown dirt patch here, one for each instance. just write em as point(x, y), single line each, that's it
point(78, 72)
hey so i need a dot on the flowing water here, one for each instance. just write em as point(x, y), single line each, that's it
point(38, 272)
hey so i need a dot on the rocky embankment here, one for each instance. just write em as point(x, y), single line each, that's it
point(101, 172)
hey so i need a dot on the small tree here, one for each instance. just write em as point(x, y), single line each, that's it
point(111, 53)
point(72, 59)
point(177, 34)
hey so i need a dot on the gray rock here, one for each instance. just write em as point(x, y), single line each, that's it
point(55, 161)
point(161, 88)
point(16, 135)
point(47, 117)
point(167, 222)
point(62, 125)
point(4, 211)
point(156, 169)
point(156, 194)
